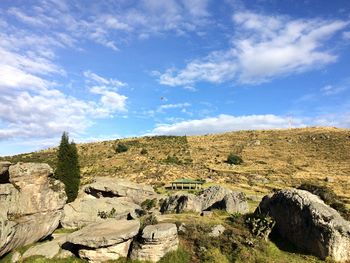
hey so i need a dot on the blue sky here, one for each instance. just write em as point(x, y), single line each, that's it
point(110, 69)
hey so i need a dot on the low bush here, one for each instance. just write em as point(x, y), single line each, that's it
point(120, 148)
point(148, 204)
point(143, 151)
point(234, 159)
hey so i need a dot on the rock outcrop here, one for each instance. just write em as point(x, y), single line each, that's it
point(214, 197)
point(105, 241)
point(114, 187)
point(307, 222)
point(84, 211)
point(235, 202)
point(181, 202)
point(31, 204)
point(4, 172)
point(155, 242)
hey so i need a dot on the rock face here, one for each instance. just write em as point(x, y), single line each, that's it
point(181, 202)
point(235, 202)
point(109, 240)
point(306, 221)
point(156, 241)
point(114, 187)
point(214, 197)
point(84, 211)
point(30, 205)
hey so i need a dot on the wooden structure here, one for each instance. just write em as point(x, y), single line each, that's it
point(186, 184)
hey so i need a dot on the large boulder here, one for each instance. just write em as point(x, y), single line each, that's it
point(84, 211)
point(307, 222)
point(181, 202)
point(114, 187)
point(156, 241)
point(105, 241)
point(31, 204)
point(235, 202)
point(218, 197)
point(212, 197)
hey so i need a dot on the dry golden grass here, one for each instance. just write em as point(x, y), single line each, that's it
point(273, 159)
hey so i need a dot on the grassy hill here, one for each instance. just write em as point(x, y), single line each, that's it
point(273, 159)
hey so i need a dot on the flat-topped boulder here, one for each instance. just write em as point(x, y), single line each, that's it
point(114, 187)
point(307, 222)
point(105, 241)
point(212, 197)
point(155, 242)
point(31, 205)
point(84, 211)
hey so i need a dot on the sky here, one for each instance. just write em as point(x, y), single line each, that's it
point(111, 69)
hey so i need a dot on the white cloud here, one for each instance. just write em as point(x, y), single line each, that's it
point(94, 78)
point(163, 107)
point(111, 101)
point(346, 35)
point(263, 48)
point(223, 123)
point(332, 90)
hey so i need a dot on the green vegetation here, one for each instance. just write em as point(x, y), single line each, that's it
point(121, 147)
point(105, 215)
point(328, 196)
point(260, 225)
point(148, 204)
point(143, 151)
point(68, 170)
point(148, 220)
point(234, 159)
point(172, 160)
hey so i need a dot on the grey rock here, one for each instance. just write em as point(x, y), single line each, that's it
point(217, 231)
point(30, 205)
point(114, 187)
point(156, 241)
point(48, 250)
point(64, 254)
point(235, 202)
point(307, 222)
point(212, 197)
point(207, 213)
point(84, 211)
point(108, 233)
point(181, 202)
point(16, 257)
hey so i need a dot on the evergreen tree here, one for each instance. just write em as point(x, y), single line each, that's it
point(68, 170)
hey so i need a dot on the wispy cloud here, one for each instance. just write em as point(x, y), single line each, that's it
point(263, 47)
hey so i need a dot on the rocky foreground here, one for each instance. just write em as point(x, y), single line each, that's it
point(106, 225)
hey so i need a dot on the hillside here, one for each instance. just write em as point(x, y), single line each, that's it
point(272, 159)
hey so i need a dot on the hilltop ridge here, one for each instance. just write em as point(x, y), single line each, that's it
point(272, 158)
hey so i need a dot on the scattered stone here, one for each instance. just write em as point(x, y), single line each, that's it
point(84, 211)
point(156, 241)
point(217, 231)
point(114, 187)
point(30, 205)
point(181, 202)
point(307, 222)
point(329, 179)
point(16, 256)
point(105, 241)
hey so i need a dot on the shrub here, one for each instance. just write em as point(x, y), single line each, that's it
point(234, 159)
point(105, 215)
point(260, 225)
point(214, 255)
point(148, 204)
point(143, 151)
point(178, 256)
point(121, 148)
point(148, 220)
point(172, 160)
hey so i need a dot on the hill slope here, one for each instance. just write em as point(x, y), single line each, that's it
point(272, 159)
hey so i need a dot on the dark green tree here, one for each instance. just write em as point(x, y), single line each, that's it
point(68, 170)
